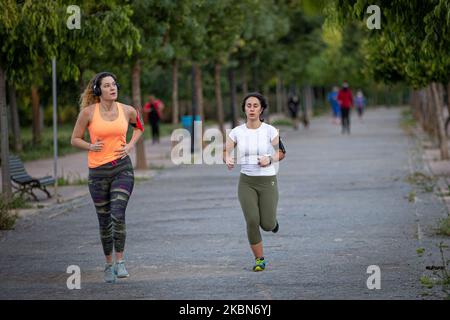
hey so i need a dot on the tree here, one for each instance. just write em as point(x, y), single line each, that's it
point(106, 36)
point(408, 47)
point(151, 39)
point(14, 117)
point(27, 59)
point(224, 25)
point(178, 21)
point(38, 21)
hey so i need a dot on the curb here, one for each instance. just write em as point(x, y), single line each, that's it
point(56, 206)
point(442, 182)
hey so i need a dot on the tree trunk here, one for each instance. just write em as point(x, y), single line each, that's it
point(307, 113)
point(279, 93)
point(6, 180)
point(444, 111)
point(266, 93)
point(320, 96)
point(234, 112)
point(415, 103)
point(255, 79)
point(175, 105)
point(194, 102)
point(284, 97)
point(423, 106)
point(14, 118)
point(448, 98)
point(440, 122)
point(426, 111)
point(36, 110)
point(244, 79)
point(81, 81)
point(432, 124)
point(388, 97)
point(141, 162)
point(218, 92)
point(199, 91)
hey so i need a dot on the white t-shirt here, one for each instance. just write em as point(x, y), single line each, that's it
point(251, 144)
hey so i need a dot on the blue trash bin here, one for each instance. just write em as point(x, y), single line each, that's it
point(186, 121)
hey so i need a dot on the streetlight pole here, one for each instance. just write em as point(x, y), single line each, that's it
point(55, 129)
point(194, 107)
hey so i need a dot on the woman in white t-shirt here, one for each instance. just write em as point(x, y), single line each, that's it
point(257, 153)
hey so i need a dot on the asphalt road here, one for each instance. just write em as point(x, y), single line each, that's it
point(343, 207)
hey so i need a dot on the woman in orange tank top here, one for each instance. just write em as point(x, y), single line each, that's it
point(111, 176)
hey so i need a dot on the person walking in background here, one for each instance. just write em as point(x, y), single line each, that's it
point(256, 143)
point(153, 108)
point(345, 100)
point(293, 105)
point(111, 176)
point(360, 102)
point(335, 109)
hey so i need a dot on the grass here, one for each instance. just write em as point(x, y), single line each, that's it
point(63, 181)
point(282, 122)
point(7, 216)
point(426, 282)
point(19, 203)
point(420, 251)
point(441, 274)
point(156, 166)
point(44, 149)
point(141, 179)
point(320, 110)
point(425, 182)
point(445, 193)
point(165, 129)
point(407, 120)
point(71, 179)
point(412, 196)
point(444, 227)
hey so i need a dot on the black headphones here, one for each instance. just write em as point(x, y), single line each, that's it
point(96, 85)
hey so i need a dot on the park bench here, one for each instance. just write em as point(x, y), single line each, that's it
point(23, 182)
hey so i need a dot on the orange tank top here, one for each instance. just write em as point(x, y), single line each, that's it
point(113, 134)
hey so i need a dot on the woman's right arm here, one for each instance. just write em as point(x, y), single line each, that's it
point(227, 158)
point(79, 129)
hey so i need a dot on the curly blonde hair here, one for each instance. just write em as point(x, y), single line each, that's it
point(87, 97)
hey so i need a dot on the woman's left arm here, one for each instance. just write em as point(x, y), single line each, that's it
point(138, 129)
point(279, 155)
point(279, 152)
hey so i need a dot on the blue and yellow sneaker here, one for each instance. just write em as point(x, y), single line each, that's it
point(260, 264)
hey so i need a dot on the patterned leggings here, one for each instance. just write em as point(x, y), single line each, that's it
point(110, 186)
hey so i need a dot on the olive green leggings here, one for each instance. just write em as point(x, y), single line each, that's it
point(258, 196)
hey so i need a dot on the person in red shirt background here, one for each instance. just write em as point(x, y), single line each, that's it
point(345, 100)
point(153, 109)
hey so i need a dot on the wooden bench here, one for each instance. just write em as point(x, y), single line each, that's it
point(23, 182)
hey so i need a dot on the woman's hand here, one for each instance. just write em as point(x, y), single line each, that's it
point(96, 147)
point(124, 151)
point(264, 161)
point(229, 162)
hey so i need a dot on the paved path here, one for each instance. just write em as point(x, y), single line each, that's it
point(343, 207)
